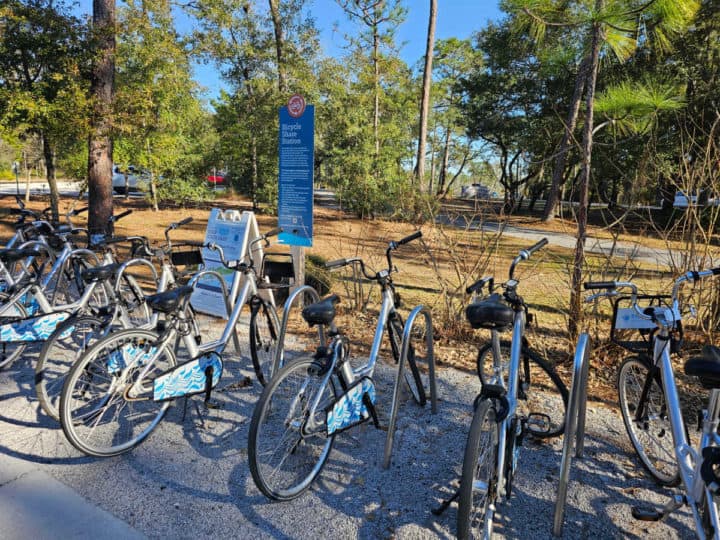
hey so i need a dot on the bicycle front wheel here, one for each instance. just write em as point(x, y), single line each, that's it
point(542, 395)
point(285, 454)
point(70, 340)
point(264, 330)
point(106, 406)
point(478, 482)
point(644, 411)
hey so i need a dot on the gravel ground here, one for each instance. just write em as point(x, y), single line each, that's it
point(191, 478)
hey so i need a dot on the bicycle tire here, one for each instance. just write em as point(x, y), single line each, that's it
point(10, 351)
point(654, 429)
point(411, 376)
point(264, 330)
point(297, 385)
point(479, 470)
point(544, 377)
point(70, 340)
point(98, 387)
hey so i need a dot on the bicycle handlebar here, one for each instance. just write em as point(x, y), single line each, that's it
point(525, 254)
point(410, 238)
point(479, 284)
point(119, 216)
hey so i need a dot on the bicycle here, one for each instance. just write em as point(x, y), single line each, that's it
point(500, 420)
point(650, 404)
point(74, 336)
point(119, 390)
point(313, 398)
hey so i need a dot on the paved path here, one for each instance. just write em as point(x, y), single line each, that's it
point(622, 250)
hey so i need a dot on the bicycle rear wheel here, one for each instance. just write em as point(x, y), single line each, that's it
point(411, 373)
point(647, 421)
point(542, 395)
point(11, 350)
point(70, 340)
point(264, 330)
point(478, 482)
point(106, 407)
point(284, 458)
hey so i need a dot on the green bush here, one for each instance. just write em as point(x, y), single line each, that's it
point(183, 191)
point(316, 275)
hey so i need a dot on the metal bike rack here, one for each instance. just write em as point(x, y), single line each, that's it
point(403, 355)
point(291, 300)
point(574, 426)
point(135, 262)
point(228, 304)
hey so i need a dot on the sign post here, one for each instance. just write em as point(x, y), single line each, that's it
point(16, 170)
point(295, 190)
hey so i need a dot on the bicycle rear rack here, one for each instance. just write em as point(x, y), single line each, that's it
point(398, 378)
point(574, 426)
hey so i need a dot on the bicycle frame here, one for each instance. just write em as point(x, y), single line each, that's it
point(689, 460)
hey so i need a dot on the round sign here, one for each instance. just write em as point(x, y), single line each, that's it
point(296, 105)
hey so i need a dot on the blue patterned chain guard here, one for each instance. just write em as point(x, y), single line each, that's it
point(350, 409)
point(33, 328)
point(189, 378)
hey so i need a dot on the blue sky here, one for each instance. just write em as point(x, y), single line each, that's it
point(456, 18)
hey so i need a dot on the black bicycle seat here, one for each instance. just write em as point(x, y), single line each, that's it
point(490, 313)
point(322, 312)
point(168, 301)
point(14, 255)
point(99, 273)
point(706, 367)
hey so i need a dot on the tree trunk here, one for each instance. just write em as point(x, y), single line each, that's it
point(279, 44)
point(49, 156)
point(425, 103)
point(100, 144)
point(254, 174)
point(559, 169)
point(376, 111)
point(444, 165)
point(575, 319)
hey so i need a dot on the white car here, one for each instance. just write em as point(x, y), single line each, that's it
point(137, 180)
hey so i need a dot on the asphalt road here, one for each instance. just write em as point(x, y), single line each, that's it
point(191, 478)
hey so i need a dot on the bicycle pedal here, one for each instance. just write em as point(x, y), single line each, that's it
point(646, 514)
point(538, 423)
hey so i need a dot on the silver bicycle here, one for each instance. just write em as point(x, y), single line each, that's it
point(651, 408)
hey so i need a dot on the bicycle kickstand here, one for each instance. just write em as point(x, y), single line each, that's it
point(650, 514)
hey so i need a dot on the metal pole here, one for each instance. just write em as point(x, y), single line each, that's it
point(577, 393)
point(16, 170)
point(398, 378)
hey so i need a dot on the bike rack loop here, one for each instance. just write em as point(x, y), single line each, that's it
point(228, 304)
point(403, 355)
point(574, 426)
point(135, 262)
point(280, 349)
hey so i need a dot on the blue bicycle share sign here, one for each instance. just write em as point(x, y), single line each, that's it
point(295, 197)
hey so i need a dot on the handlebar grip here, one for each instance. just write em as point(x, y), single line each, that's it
point(336, 264)
point(273, 232)
point(410, 238)
point(534, 248)
point(715, 271)
point(194, 243)
point(121, 215)
point(116, 240)
point(78, 211)
point(593, 285)
point(184, 221)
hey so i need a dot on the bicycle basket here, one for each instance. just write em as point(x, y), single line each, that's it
point(279, 270)
point(186, 256)
point(631, 331)
point(353, 407)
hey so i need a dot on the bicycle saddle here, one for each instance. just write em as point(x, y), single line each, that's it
point(322, 312)
point(99, 273)
point(490, 313)
point(168, 301)
point(706, 367)
point(13, 255)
